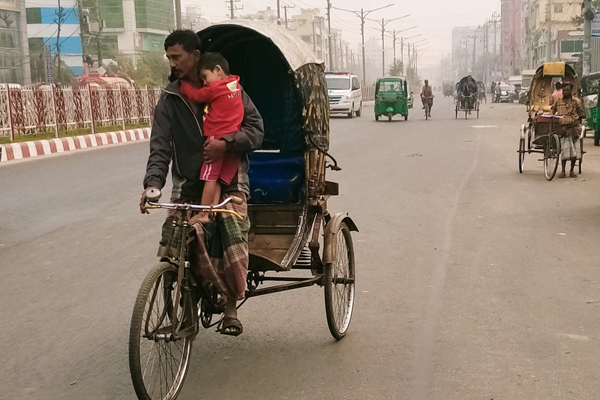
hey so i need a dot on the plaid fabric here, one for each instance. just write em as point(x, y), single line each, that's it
point(571, 110)
point(220, 253)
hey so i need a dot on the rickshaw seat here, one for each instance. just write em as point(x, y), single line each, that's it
point(276, 177)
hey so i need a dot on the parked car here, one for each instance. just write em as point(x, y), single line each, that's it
point(345, 93)
point(505, 93)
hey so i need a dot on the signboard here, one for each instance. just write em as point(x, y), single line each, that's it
point(596, 26)
point(48, 61)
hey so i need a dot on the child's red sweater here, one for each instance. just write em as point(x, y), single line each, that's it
point(226, 109)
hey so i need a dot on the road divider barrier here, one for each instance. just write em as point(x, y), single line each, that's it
point(18, 151)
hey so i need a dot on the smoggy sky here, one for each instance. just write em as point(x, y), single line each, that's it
point(434, 18)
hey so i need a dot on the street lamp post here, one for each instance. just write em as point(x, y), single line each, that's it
point(363, 15)
point(395, 38)
point(402, 39)
point(383, 23)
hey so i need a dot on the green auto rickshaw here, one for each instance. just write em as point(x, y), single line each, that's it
point(590, 84)
point(391, 97)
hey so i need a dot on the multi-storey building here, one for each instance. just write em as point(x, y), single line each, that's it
point(310, 26)
point(14, 48)
point(43, 18)
point(550, 31)
point(511, 26)
point(125, 26)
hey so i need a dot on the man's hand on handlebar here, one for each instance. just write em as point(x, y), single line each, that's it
point(149, 192)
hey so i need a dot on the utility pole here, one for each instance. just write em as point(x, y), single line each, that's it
point(329, 34)
point(474, 37)
point(178, 14)
point(394, 35)
point(285, 8)
point(588, 16)
point(363, 15)
point(314, 36)
point(60, 14)
point(278, 13)
point(233, 8)
point(495, 19)
point(383, 24)
point(549, 31)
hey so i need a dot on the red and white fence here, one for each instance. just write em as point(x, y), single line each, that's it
point(45, 109)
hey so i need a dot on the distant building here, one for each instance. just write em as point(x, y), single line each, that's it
point(511, 37)
point(269, 15)
point(126, 26)
point(14, 48)
point(310, 26)
point(193, 19)
point(42, 29)
point(462, 48)
point(551, 33)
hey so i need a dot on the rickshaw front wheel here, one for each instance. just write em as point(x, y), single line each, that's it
point(521, 155)
point(338, 279)
point(551, 156)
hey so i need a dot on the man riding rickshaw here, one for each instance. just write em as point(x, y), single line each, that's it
point(467, 96)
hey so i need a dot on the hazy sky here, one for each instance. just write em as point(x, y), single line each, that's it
point(434, 18)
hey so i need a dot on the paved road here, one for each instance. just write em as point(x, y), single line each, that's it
point(474, 282)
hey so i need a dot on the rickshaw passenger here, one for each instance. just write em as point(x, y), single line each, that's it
point(177, 138)
point(569, 127)
point(557, 94)
point(223, 115)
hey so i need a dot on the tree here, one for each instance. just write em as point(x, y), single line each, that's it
point(397, 69)
point(151, 68)
point(578, 20)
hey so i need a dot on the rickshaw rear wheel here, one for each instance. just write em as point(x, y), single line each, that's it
point(390, 117)
point(406, 117)
point(551, 156)
point(456, 112)
point(521, 154)
point(376, 117)
point(338, 282)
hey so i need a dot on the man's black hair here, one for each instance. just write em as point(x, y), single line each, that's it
point(565, 84)
point(188, 40)
point(210, 61)
point(560, 85)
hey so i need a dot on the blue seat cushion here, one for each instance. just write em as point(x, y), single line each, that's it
point(276, 178)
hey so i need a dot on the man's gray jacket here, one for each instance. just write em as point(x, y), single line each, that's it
point(177, 136)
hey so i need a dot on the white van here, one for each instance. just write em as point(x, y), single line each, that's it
point(345, 93)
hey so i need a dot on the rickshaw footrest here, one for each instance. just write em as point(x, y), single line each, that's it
point(305, 282)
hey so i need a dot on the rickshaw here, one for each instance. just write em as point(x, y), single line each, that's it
point(481, 92)
point(539, 135)
point(391, 97)
point(447, 88)
point(590, 84)
point(467, 98)
point(291, 227)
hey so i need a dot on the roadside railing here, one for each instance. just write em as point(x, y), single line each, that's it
point(52, 109)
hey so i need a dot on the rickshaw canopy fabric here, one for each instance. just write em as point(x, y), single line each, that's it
point(541, 84)
point(554, 69)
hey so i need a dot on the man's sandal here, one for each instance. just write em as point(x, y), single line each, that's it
point(572, 175)
point(228, 323)
point(561, 175)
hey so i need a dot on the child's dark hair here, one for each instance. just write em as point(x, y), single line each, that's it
point(210, 61)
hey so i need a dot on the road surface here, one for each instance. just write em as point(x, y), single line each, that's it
point(473, 281)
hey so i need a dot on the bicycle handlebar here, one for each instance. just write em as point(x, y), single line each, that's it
point(154, 194)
